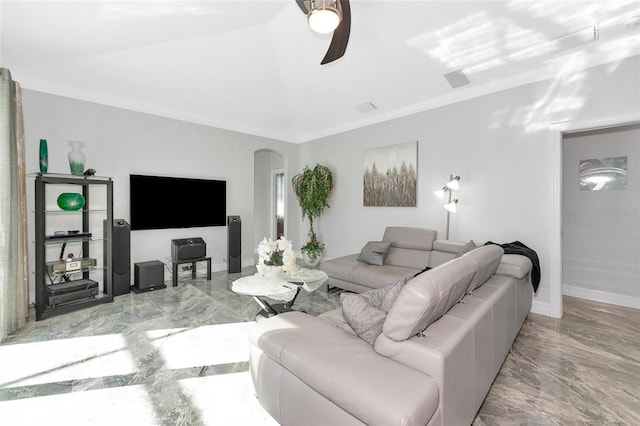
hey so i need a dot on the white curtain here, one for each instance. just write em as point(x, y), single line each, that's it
point(14, 285)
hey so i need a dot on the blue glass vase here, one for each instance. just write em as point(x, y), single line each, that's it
point(44, 156)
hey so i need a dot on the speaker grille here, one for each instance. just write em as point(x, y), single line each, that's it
point(188, 248)
point(121, 255)
point(121, 247)
point(234, 246)
point(234, 239)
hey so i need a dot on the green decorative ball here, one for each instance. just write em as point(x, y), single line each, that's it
point(70, 201)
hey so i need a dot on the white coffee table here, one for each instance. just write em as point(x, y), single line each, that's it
point(283, 287)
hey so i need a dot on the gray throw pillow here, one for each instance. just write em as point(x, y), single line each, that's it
point(365, 319)
point(374, 252)
point(391, 295)
point(467, 248)
point(366, 312)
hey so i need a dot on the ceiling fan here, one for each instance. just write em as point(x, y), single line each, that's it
point(326, 16)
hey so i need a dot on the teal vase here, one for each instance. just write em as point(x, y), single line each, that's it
point(44, 156)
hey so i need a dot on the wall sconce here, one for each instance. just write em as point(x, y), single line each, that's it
point(450, 207)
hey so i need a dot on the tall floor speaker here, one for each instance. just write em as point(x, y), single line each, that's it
point(121, 262)
point(234, 249)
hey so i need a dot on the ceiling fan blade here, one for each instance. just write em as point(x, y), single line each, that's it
point(340, 35)
point(302, 6)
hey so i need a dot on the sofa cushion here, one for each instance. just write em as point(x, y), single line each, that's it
point(407, 258)
point(374, 252)
point(410, 238)
point(487, 259)
point(410, 247)
point(427, 297)
point(348, 268)
point(366, 312)
point(467, 248)
point(444, 251)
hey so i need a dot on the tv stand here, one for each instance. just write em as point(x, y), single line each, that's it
point(177, 262)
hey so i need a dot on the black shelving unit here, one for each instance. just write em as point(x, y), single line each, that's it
point(83, 221)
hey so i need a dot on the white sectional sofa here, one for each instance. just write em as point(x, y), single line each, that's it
point(439, 348)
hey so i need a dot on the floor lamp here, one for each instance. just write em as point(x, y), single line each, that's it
point(450, 207)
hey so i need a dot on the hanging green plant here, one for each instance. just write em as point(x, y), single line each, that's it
point(313, 188)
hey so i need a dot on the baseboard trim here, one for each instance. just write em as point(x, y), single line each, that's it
point(541, 308)
point(216, 267)
point(601, 296)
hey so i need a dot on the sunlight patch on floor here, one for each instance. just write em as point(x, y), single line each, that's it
point(204, 345)
point(129, 405)
point(64, 359)
point(226, 399)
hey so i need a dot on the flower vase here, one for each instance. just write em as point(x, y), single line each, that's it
point(76, 158)
point(44, 156)
point(311, 263)
point(273, 271)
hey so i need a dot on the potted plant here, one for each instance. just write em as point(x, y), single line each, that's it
point(276, 257)
point(312, 188)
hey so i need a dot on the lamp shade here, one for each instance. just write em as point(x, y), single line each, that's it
point(451, 207)
point(324, 18)
point(454, 184)
point(440, 193)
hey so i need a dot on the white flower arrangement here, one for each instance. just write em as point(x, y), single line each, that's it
point(276, 253)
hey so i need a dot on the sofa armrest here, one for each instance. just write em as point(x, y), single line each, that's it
point(514, 265)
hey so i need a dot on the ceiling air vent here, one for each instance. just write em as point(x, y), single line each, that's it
point(366, 107)
point(457, 78)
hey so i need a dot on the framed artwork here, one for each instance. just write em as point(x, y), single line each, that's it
point(603, 174)
point(390, 175)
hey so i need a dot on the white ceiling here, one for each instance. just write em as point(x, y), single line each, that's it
point(254, 66)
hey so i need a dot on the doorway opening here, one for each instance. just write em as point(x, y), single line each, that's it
point(269, 195)
point(559, 132)
point(278, 202)
point(601, 215)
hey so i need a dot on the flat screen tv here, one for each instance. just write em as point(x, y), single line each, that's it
point(158, 202)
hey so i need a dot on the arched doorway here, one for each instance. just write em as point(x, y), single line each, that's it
point(269, 195)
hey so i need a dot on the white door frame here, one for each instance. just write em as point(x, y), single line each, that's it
point(558, 130)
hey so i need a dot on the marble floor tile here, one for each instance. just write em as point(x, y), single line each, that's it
point(179, 356)
point(581, 369)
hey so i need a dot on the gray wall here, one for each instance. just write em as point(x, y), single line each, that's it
point(500, 144)
point(601, 229)
point(120, 142)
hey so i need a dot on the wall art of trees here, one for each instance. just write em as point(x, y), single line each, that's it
point(390, 176)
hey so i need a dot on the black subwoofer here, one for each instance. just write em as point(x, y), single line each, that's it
point(234, 238)
point(121, 260)
point(188, 248)
point(148, 276)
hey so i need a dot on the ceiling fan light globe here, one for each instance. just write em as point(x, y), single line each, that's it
point(324, 21)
